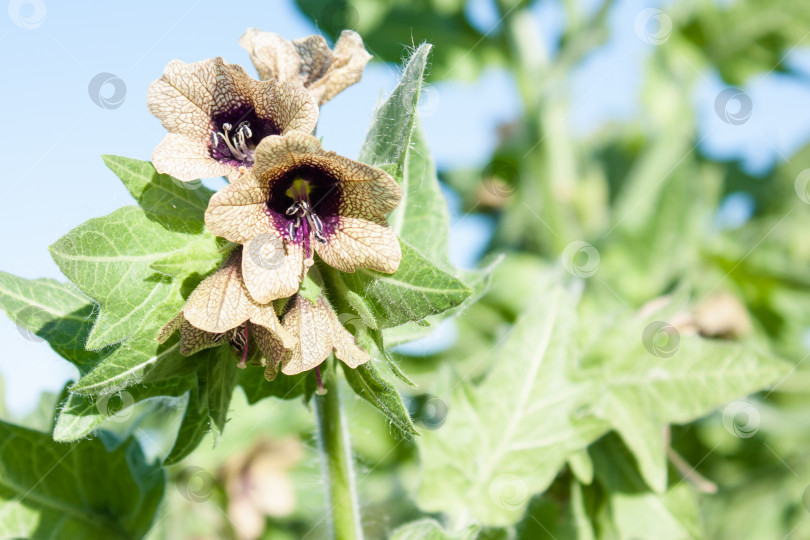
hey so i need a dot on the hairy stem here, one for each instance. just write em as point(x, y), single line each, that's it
point(336, 457)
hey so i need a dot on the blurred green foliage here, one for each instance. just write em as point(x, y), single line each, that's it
point(597, 389)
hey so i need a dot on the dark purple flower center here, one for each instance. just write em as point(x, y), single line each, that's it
point(304, 203)
point(235, 134)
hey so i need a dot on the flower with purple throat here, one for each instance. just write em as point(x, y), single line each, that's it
point(216, 115)
point(299, 200)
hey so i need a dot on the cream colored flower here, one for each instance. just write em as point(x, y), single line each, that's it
point(308, 61)
point(316, 333)
point(216, 115)
point(298, 199)
point(220, 310)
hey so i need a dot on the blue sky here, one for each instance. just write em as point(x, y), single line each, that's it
point(54, 178)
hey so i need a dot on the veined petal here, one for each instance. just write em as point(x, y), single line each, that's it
point(313, 328)
point(319, 333)
point(186, 159)
point(273, 56)
point(238, 212)
point(271, 268)
point(345, 345)
point(343, 67)
point(186, 97)
point(359, 243)
point(308, 61)
point(219, 302)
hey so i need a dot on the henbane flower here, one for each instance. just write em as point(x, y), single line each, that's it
point(316, 333)
point(297, 199)
point(221, 311)
point(216, 115)
point(308, 61)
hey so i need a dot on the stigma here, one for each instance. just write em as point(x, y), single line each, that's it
point(304, 215)
point(236, 142)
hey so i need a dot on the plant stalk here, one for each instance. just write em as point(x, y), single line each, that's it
point(336, 458)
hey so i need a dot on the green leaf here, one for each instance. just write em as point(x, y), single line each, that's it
point(637, 513)
point(396, 139)
point(643, 393)
point(218, 379)
point(427, 529)
point(138, 360)
point(67, 491)
point(178, 206)
point(80, 415)
point(393, 121)
point(256, 387)
point(108, 258)
point(422, 218)
point(367, 383)
point(53, 311)
point(556, 385)
point(416, 290)
point(200, 256)
point(193, 426)
point(506, 439)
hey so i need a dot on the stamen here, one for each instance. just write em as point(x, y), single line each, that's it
point(302, 210)
point(321, 390)
point(243, 363)
point(237, 142)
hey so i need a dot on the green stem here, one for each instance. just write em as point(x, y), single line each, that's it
point(336, 457)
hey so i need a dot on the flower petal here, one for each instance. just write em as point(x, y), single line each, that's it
point(273, 349)
point(238, 212)
point(271, 268)
point(359, 243)
point(273, 56)
point(219, 303)
point(186, 159)
point(329, 73)
point(187, 95)
point(345, 345)
point(312, 325)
